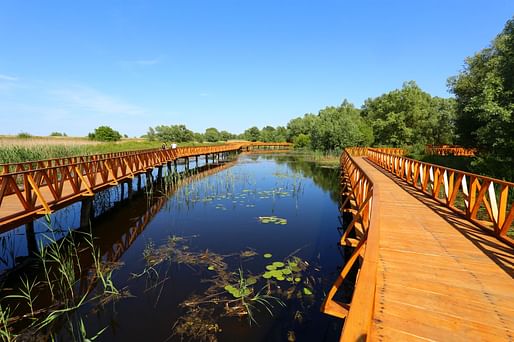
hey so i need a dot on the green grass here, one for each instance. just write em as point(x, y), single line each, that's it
point(323, 158)
point(13, 150)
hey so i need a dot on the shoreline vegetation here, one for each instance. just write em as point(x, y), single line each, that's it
point(15, 149)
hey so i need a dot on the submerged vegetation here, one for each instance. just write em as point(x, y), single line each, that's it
point(247, 286)
point(231, 292)
point(48, 303)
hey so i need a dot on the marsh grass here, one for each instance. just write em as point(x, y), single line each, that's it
point(30, 148)
point(65, 286)
point(231, 292)
point(327, 159)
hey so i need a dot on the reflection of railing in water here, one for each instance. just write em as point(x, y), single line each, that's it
point(139, 225)
point(113, 246)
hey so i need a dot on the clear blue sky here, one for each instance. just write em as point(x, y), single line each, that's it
point(74, 65)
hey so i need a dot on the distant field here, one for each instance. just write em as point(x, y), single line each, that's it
point(15, 150)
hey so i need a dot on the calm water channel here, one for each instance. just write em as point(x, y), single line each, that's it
point(242, 252)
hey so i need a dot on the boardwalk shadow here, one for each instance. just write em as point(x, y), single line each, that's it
point(499, 252)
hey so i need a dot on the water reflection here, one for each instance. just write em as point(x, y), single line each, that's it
point(193, 254)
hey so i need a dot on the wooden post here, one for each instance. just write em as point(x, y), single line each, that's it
point(31, 239)
point(129, 189)
point(122, 196)
point(86, 211)
point(159, 172)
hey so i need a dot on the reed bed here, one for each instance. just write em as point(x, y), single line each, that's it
point(14, 150)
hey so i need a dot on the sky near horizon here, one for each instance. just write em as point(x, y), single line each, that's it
point(71, 66)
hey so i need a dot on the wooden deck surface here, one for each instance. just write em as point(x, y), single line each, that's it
point(439, 277)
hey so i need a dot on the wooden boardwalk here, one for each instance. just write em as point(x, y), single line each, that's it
point(439, 277)
point(31, 189)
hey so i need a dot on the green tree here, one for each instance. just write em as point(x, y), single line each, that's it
point(173, 133)
point(408, 116)
point(281, 134)
point(105, 133)
point(227, 135)
point(267, 134)
point(302, 141)
point(301, 125)
point(212, 134)
point(252, 134)
point(198, 137)
point(340, 127)
point(484, 93)
point(151, 134)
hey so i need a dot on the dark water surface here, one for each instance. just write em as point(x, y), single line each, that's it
point(182, 256)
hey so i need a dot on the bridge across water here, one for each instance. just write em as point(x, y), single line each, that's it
point(436, 260)
point(35, 188)
point(433, 245)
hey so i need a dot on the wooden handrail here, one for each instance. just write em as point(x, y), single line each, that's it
point(49, 184)
point(361, 193)
point(485, 201)
point(447, 150)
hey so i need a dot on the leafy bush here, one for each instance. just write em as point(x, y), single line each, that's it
point(105, 133)
point(302, 141)
point(24, 135)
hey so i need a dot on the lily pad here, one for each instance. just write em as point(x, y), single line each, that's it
point(210, 268)
point(278, 264)
point(267, 255)
point(307, 291)
point(267, 275)
point(271, 267)
point(251, 281)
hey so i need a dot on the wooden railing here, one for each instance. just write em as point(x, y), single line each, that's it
point(447, 150)
point(38, 187)
point(360, 197)
point(485, 201)
point(41, 187)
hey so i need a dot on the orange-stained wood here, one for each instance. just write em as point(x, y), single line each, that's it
point(429, 269)
point(30, 189)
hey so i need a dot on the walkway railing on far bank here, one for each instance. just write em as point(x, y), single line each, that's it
point(362, 200)
point(485, 201)
point(450, 150)
point(36, 188)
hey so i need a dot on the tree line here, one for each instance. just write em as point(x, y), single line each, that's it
point(479, 116)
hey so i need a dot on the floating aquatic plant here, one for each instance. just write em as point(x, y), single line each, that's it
point(272, 219)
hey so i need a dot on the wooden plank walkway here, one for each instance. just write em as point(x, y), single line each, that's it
point(31, 189)
point(439, 277)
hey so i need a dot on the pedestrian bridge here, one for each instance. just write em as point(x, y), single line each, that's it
point(433, 250)
point(34, 188)
point(432, 247)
